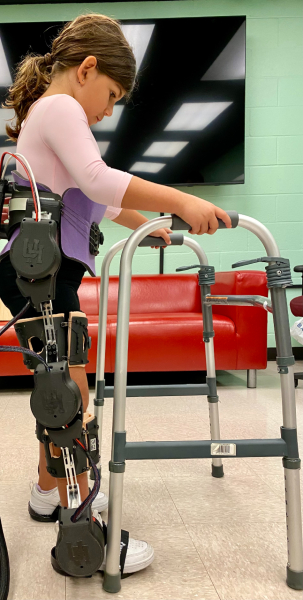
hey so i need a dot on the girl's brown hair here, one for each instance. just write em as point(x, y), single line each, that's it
point(88, 34)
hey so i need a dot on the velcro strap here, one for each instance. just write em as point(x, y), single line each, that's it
point(123, 548)
point(123, 545)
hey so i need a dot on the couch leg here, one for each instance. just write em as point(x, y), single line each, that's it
point(251, 378)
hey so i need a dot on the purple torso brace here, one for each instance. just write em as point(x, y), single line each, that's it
point(78, 214)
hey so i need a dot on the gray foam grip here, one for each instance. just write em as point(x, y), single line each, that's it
point(175, 238)
point(234, 217)
point(179, 224)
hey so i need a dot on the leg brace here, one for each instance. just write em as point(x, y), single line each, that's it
point(88, 437)
point(56, 400)
point(72, 339)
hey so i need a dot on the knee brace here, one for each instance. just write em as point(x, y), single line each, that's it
point(71, 336)
point(56, 399)
point(86, 433)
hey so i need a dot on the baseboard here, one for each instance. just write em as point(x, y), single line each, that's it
point(297, 352)
point(155, 378)
point(148, 378)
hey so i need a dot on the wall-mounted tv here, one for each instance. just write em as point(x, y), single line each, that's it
point(185, 122)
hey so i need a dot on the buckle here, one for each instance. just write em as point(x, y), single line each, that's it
point(96, 239)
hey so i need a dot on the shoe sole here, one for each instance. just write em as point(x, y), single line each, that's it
point(54, 516)
point(138, 567)
point(44, 518)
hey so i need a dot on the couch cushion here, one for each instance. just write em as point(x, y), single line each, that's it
point(93, 324)
point(89, 295)
point(163, 339)
point(152, 294)
point(157, 342)
point(11, 363)
point(162, 342)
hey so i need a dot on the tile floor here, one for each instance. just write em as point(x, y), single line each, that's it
point(213, 538)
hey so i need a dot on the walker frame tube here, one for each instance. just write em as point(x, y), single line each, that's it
point(102, 391)
point(100, 367)
point(287, 447)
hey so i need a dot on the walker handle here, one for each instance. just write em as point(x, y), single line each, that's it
point(176, 239)
point(178, 224)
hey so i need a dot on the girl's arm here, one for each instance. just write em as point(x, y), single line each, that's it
point(200, 214)
point(133, 219)
point(64, 129)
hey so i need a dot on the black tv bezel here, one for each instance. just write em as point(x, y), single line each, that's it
point(165, 18)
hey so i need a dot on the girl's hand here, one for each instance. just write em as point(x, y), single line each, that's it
point(202, 215)
point(163, 233)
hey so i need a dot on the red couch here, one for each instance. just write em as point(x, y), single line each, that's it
point(166, 324)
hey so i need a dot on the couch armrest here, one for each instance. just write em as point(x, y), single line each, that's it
point(250, 322)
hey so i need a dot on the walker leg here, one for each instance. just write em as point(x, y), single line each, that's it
point(101, 345)
point(251, 378)
point(294, 578)
point(112, 577)
point(291, 463)
point(216, 465)
point(208, 338)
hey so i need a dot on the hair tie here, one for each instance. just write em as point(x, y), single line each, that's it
point(48, 59)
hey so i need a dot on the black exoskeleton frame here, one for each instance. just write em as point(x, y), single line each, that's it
point(56, 400)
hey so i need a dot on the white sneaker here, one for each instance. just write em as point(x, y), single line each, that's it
point(45, 507)
point(139, 554)
point(135, 554)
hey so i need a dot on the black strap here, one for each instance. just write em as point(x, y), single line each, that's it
point(123, 548)
point(123, 545)
point(104, 528)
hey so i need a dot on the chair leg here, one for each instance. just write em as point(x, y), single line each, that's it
point(251, 378)
point(297, 376)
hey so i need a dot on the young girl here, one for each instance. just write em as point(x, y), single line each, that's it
point(56, 98)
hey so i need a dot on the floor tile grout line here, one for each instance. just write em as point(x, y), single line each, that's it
point(129, 411)
point(221, 598)
point(171, 497)
point(202, 561)
point(186, 526)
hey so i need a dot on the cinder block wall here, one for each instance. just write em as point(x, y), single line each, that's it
point(272, 192)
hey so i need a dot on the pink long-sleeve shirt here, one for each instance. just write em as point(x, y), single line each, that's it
point(57, 141)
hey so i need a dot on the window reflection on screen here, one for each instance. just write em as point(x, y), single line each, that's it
point(185, 122)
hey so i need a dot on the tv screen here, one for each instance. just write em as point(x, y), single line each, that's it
point(185, 122)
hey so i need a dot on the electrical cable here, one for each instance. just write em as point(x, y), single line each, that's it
point(29, 173)
point(14, 319)
point(92, 495)
point(37, 205)
point(18, 348)
point(26, 166)
point(24, 351)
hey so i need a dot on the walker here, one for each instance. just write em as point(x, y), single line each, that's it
point(286, 446)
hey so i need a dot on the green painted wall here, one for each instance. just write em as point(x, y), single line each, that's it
point(273, 189)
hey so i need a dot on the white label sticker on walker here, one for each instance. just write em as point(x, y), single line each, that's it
point(223, 449)
point(93, 444)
